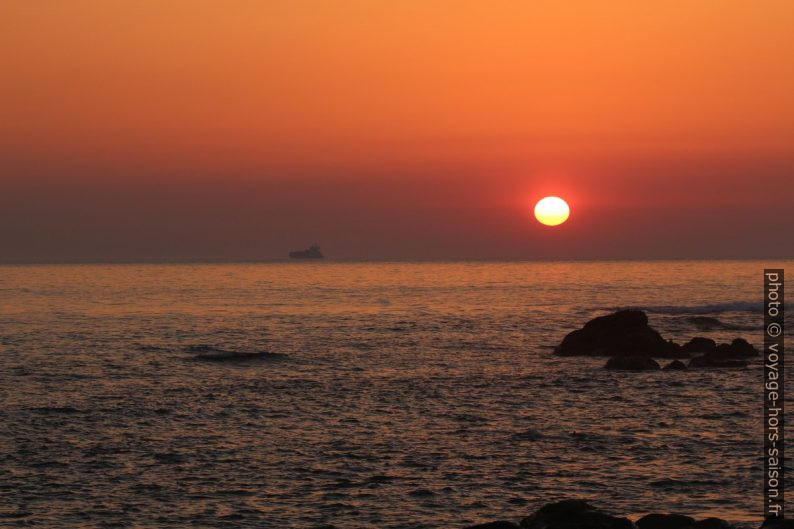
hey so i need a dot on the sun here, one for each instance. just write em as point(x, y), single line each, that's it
point(552, 211)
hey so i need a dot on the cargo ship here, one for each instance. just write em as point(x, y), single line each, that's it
point(312, 253)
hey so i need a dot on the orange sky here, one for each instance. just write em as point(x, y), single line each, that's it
point(482, 105)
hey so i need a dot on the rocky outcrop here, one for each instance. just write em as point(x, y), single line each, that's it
point(665, 521)
point(571, 514)
point(739, 348)
point(699, 345)
point(725, 355)
point(626, 333)
point(623, 333)
point(775, 523)
point(578, 514)
point(675, 365)
point(678, 521)
point(632, 363)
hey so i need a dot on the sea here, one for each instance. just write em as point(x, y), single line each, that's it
point(399, 394)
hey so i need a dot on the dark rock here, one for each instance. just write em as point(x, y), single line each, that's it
point(665, 521)
point(169, 458)
point(632, 363)
point(221, 355)
point(577, 514)
point(739, 348)
point(712, 361)
point(712, 523)
point(674, 350)
point(421, 493)
point(700, 345)
point(725, 355)
point(501, 524)
point(573, 514)
point(675, 365)
point(777, 523)
point(705, 323)
point(623, 333)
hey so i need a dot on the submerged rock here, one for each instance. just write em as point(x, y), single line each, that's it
point(169, 457)
point(623, 333)
point(220, 355)
point(632, 363)
point(421, 493)
point(665, 521)
point(675, 365)
point(573, 514)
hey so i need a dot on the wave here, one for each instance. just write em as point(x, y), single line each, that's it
point(715, 308)
point(707, 323)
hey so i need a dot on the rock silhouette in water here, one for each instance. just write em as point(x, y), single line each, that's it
point(570, 514)
point(632, 363)
point(739, 348)
point(626, 333)
point(776, 523)
point(675, 365)
point(665, 521)
point(700, 345)
point(623, 333)
point(678, 521)
point(726, 355)
point(578, 514)
point(210, 354)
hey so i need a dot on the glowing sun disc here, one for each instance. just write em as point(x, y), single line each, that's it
point(552, 211)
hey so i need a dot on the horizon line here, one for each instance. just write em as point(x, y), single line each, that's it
point(75, 262)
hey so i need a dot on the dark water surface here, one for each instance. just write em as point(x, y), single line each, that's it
point(411, 395)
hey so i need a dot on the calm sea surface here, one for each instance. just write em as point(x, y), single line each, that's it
point(411, 394)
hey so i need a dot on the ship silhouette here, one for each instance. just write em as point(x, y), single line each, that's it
point(312, 253)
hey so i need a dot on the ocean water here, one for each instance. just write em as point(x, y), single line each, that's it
point(409, 394)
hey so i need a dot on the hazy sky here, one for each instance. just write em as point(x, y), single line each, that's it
point(414, 129)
